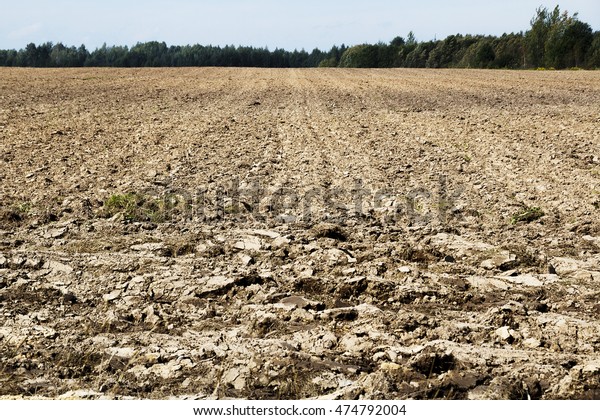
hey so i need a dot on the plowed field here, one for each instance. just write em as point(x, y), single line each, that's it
point(274, 234)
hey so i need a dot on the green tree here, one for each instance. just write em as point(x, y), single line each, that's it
point(418, 57)
point(537, 36)
point(360, 56)
point(328, 62)
point(593, 55)
point(510, 51)
point(485, 54)
point(557, 39)
point(36, 56)
point(449, 52)
point(578, 38)
point(397, 42)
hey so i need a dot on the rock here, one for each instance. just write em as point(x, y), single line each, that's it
point(56, 233)
point(390, 367)
point(216, 284)
point(525, 280)
point(503, 261)
point(504, 333)
point(137, 280)
point(150, 316)
point(17, 261)
point(250, 243)
point(57, 267)
point(80, 394)
point(33, 263)
point(329, 341)
point(487, 283)
point(405, 269)
point(280, 242)
point(355, 344)
point(266, 233)
point(3, 261)
point(592, 368)
point(337, 257)
point(114, 295)
point(592, 239)
point(166, 371)
point(355, 281)
point(458, 245)
point(568, 266)
point(246, 259)
point(125, 353)
point(302, 303)
point(366, 309)
point(532, 343)
point(584, 275)
point(235, 376)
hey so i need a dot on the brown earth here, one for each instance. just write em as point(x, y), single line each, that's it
point(214, 233)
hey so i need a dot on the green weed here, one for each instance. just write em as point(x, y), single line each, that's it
point(527, 215)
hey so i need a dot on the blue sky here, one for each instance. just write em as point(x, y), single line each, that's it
point(286, 24)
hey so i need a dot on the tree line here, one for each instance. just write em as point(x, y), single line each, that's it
point(158, 54)
point(555, 40)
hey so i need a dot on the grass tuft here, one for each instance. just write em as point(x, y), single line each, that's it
point(527, 215)
point(142, 208)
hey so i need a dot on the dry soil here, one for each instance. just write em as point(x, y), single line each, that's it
point(323, 233)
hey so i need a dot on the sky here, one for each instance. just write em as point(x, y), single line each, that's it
point(291, 25)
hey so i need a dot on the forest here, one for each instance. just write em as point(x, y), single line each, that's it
point(555, 40)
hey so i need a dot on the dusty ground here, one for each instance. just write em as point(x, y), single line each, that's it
point(217, 233)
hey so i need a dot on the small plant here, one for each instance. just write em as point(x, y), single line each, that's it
point(24, 208)
point(144, 208)
point(127, 204)
point(527, 215)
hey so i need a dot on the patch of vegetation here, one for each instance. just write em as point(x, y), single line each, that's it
point(142, 208)
point(527, 215)
point(128, 204)
point(14, 214)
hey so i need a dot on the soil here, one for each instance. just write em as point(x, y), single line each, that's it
point(322, 233)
